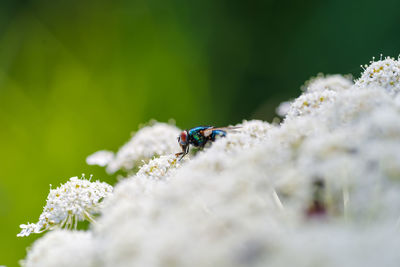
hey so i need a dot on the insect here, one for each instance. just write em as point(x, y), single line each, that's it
point(199, 137)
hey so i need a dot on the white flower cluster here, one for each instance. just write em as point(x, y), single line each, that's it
point(76, 200)
point(383, 73)
point(335, 83)
point(320, 189)
point(317, 91)
point(310, 102)
point(48, 251)
point(152, 140)
point(159, 168)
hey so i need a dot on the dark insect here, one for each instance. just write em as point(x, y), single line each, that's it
point(199, 137)
point(317, 207)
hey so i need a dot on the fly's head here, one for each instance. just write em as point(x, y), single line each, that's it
point(183, 140)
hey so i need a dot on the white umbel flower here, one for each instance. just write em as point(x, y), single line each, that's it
point(382, 73)
point(63, 249)
point(153, 140)
point(254, 194)
point(320, 189)
point(160, 168)
point(334, 82)
point(76, 200)
point(309, 103)
point(316, 91)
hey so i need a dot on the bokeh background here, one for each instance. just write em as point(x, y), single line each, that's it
point(79, 76)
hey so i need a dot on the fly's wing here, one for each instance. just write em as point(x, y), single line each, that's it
point(208, 132)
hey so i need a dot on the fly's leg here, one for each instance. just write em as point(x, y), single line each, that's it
point(186, 152)
point(178, 154)
point(183, 153)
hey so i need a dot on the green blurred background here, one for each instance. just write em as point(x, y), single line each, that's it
point(79, 76)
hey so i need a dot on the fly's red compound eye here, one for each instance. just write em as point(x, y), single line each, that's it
point(183, 138)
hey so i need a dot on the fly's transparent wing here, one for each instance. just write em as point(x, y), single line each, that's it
point(208, 132)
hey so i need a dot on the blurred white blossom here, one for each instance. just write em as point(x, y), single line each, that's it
point(76, 200)
point(334, 82)
point(50, 250)
point(152, 140)
point(283, 108)
point(101, 158)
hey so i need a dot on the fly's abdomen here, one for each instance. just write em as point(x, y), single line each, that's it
point(219, 133)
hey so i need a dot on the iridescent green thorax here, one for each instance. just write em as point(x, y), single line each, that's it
point(196, 136)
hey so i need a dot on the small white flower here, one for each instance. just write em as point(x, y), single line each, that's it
point(76, 200)
point(27, 229)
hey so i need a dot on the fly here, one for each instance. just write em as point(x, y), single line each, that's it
point(199, 137)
